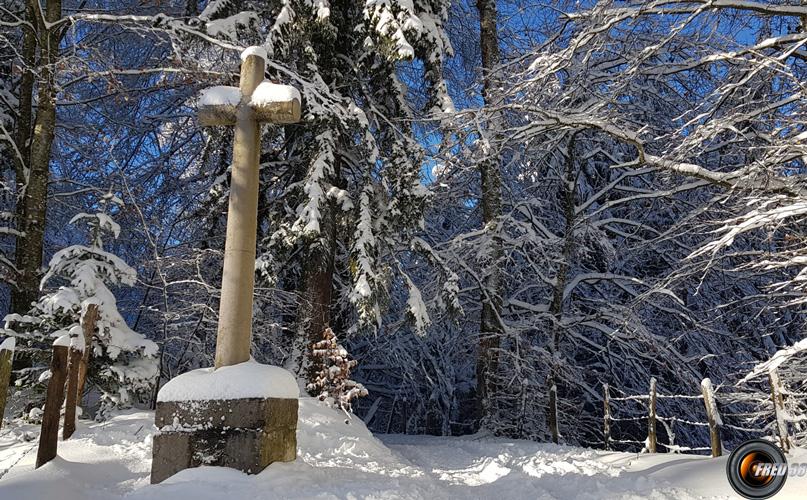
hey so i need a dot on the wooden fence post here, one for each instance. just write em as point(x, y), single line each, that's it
point(88, 322)
point(779, 409)
point(553, 412)
point(76, 353)
point(712, 416)
point(651, 418)
point(606, 420)
point(49, 437)
point(6, 358)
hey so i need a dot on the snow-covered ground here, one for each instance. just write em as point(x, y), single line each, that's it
point(112, 460)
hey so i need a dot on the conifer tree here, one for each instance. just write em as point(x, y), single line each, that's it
point(342, 192)
point(122, 362)
point(333, 378)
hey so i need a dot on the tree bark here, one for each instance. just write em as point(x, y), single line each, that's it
point(490, 327)
point(569, 202)
point(19, 300)
point(553, 413)
point(23, 123)
point(315, 309)
point(28, 253)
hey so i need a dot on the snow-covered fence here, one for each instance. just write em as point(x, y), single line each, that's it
point(652, 439)
point(779, 409)
point(712, 416)
point(748, 410)
point(773, 396)
point(652, 417)
point(606, 411)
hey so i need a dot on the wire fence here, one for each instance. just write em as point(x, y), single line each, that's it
point(632, 411)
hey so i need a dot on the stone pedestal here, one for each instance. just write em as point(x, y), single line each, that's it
point(246, 434)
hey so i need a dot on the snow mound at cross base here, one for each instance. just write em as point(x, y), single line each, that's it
point(241, 381)
point(335, 459)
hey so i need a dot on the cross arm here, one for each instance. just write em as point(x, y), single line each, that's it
point(217, 105)
point(273, 103)
point(270, 103)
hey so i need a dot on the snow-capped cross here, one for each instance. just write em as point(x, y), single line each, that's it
point(255, 101)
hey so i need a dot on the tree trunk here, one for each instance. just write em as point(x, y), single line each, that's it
point(315, 309)
point(490, 327)
point(20, 301)
point(23, 124)
point(28, 257)
point(569, 201)
point(553, 413)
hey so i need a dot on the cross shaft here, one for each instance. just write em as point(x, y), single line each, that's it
point(234, 334)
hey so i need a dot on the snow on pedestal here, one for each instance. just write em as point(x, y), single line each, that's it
point(242, 416)
point(241, 381)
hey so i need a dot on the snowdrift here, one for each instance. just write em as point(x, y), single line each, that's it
point(336, 460)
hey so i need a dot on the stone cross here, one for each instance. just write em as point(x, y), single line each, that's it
point(254, 102)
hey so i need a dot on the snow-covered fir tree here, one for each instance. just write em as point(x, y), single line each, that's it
point(122, 364)
point(342, 191)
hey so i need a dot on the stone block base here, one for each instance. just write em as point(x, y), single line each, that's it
point(245, 434)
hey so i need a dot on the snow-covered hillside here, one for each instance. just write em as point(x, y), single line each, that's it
point(111, 460)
